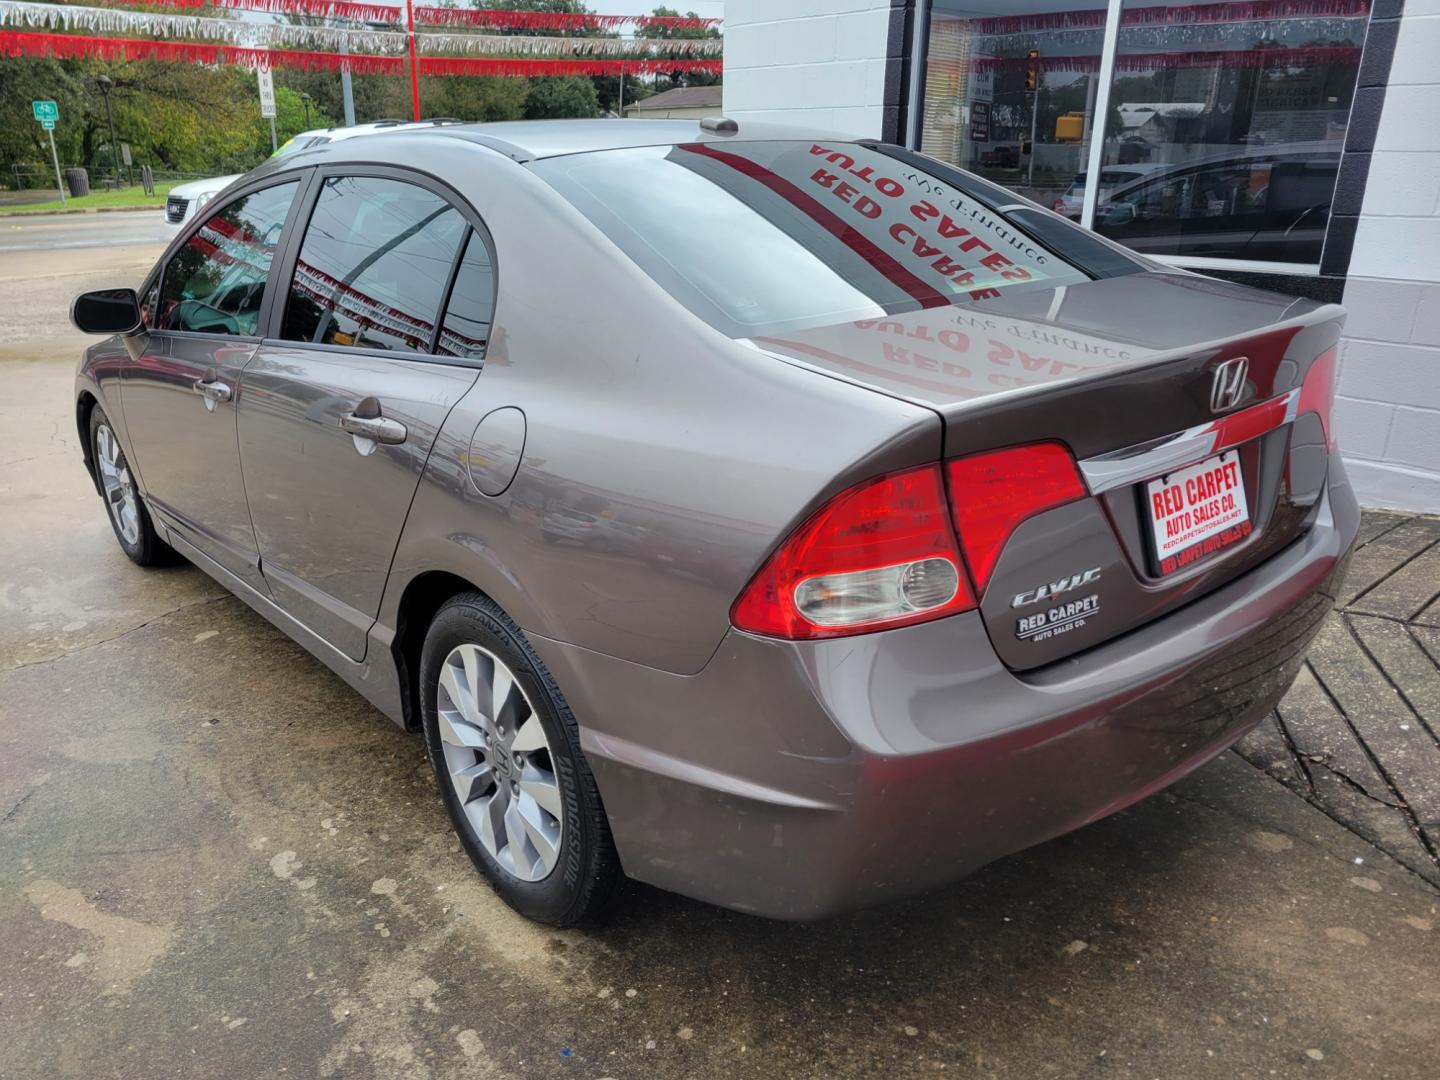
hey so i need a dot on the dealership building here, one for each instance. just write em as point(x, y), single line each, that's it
point(1292, 145)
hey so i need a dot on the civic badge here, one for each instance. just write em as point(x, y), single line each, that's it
point(1228, 385)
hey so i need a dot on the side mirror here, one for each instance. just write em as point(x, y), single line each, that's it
point(107, 311)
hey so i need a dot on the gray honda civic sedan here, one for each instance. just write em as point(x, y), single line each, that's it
point(788, 521)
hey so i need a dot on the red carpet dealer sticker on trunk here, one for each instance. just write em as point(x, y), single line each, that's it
point(1195, 512)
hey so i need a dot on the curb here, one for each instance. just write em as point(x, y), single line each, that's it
point(82, 210)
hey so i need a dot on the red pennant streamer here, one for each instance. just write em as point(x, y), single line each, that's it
point(75, 46)
point(480, 65)
point(552, 20)
point(342, 9)
point(440, 16)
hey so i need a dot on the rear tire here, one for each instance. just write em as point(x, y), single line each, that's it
point(506, 753)
point(124, 505)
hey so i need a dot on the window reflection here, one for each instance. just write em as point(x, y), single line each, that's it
point(1010, 94)
point(1225, 121)
point(1232, 116)
point(215, 283)
point(466, 327)
point(373, 266)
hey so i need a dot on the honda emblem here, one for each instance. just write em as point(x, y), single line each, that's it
point(1228, 385)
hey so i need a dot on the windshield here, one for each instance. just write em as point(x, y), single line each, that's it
point(762, 237)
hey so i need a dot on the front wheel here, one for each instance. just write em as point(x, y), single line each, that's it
point(506, 751)
point(123, 502)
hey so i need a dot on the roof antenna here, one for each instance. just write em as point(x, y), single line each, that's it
point(720, 125)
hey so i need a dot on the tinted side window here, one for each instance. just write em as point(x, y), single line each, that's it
point(373, 266)
point(466, 327)
point(214, 284)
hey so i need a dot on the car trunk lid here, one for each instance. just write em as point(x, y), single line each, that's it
point(1185, 486)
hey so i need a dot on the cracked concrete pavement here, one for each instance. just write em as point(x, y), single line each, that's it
point(217, 861)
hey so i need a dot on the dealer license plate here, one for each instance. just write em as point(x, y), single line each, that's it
point(1197, 511)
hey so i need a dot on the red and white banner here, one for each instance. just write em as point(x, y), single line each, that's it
point(92, 20)
point(546, 68)
point(75, 46)
point(441, 16)
point(547, 20)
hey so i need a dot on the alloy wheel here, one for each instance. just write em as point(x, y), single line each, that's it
point(499, 762)
point(120, 494)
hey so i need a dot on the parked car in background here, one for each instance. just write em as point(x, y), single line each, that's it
point(1006, 156)
point(894, 525)
point(186, 200)
point(1266, 203)
point(1070, 202)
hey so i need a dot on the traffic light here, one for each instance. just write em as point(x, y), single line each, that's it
point(1032, 71)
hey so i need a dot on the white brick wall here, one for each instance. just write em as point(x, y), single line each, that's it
point(815, 62)
point(1388, 412)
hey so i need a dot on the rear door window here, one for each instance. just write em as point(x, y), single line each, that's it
point(215, 283)
point(373, 265)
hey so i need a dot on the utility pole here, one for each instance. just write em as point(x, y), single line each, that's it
point(55, 157)
point(106, 84)
point(347, 92)
point(414, 64)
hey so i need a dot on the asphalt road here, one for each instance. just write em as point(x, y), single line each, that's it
point(49, 232)
point(218, 861)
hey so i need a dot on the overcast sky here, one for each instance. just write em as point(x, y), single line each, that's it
point(706, 9)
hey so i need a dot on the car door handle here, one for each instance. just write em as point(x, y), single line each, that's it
point(212, 389)
point(379, 428)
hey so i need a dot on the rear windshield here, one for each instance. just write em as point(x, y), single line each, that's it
point(761, 237)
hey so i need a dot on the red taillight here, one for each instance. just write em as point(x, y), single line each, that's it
point(1317, 394)
point(879, 555)
point(992, 493)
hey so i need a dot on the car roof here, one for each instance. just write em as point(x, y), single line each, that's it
point(373, 127)
point(529, 140)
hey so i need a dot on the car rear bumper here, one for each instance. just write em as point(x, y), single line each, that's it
point(795, 780)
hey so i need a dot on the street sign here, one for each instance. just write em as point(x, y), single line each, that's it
point(47, 112)
point(125, 154)
point(980, 121)
point(267, 93)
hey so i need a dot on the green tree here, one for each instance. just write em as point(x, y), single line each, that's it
point(22, 140)
point(470, 98)
point(555, 98)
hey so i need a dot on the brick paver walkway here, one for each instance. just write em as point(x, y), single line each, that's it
point(1357, 735)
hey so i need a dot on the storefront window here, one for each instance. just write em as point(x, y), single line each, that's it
point(1228, 120)
point(1010, 94)
point(1223, 130)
